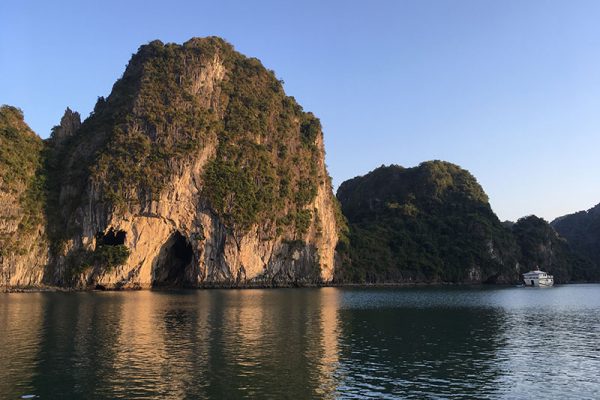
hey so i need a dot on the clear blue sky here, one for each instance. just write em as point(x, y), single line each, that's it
point(509, 90)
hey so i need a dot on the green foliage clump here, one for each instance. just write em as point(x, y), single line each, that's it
point(75, 264)
point(110, 257)
point(104, 257)
point(310, 129)
point(431, 223)
point(242, 193)
point(302, 221)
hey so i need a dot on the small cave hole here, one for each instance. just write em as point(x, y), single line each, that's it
point(111, 238)
point(175, 259)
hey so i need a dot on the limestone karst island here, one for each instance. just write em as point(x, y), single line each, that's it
point(299, 200)
point(199, 171)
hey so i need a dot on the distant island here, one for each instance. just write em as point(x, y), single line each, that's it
point(199, 171)
point(433, 223)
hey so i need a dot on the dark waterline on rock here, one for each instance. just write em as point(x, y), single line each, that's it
point(419, 342)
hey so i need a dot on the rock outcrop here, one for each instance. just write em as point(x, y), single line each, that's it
point(196, 170)
point(430, 223)
point(23, 244)
point(69, 124)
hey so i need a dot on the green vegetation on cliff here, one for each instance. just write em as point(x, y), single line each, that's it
point(267, 156)
point(429, 223)
point(20, 149)
point(21, 179)
point(542, 247)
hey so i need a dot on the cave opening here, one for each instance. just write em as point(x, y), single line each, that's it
point(175, 260)
point(111, 238)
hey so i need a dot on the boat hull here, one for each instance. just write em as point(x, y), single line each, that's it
point(539, 282)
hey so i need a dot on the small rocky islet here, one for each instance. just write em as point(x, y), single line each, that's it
point(198, 171)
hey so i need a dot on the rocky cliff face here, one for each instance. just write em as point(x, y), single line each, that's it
point(196, 170)
point(430, 223)
point(23, 244)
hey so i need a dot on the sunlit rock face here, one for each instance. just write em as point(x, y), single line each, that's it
point(196, 170)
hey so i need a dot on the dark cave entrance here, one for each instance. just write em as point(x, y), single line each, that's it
point(175, 260)
point(111, 238)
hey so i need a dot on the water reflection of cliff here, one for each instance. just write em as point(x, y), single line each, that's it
point(322, 343)
point(231, 344)
point(328, 356)
point(281, 342)
point(21, 317)
point(223, 344)
point(162, 346)
point(77, 345)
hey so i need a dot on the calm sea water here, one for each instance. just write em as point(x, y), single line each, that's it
point(303, 343)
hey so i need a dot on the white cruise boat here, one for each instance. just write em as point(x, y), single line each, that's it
point(538, 278)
